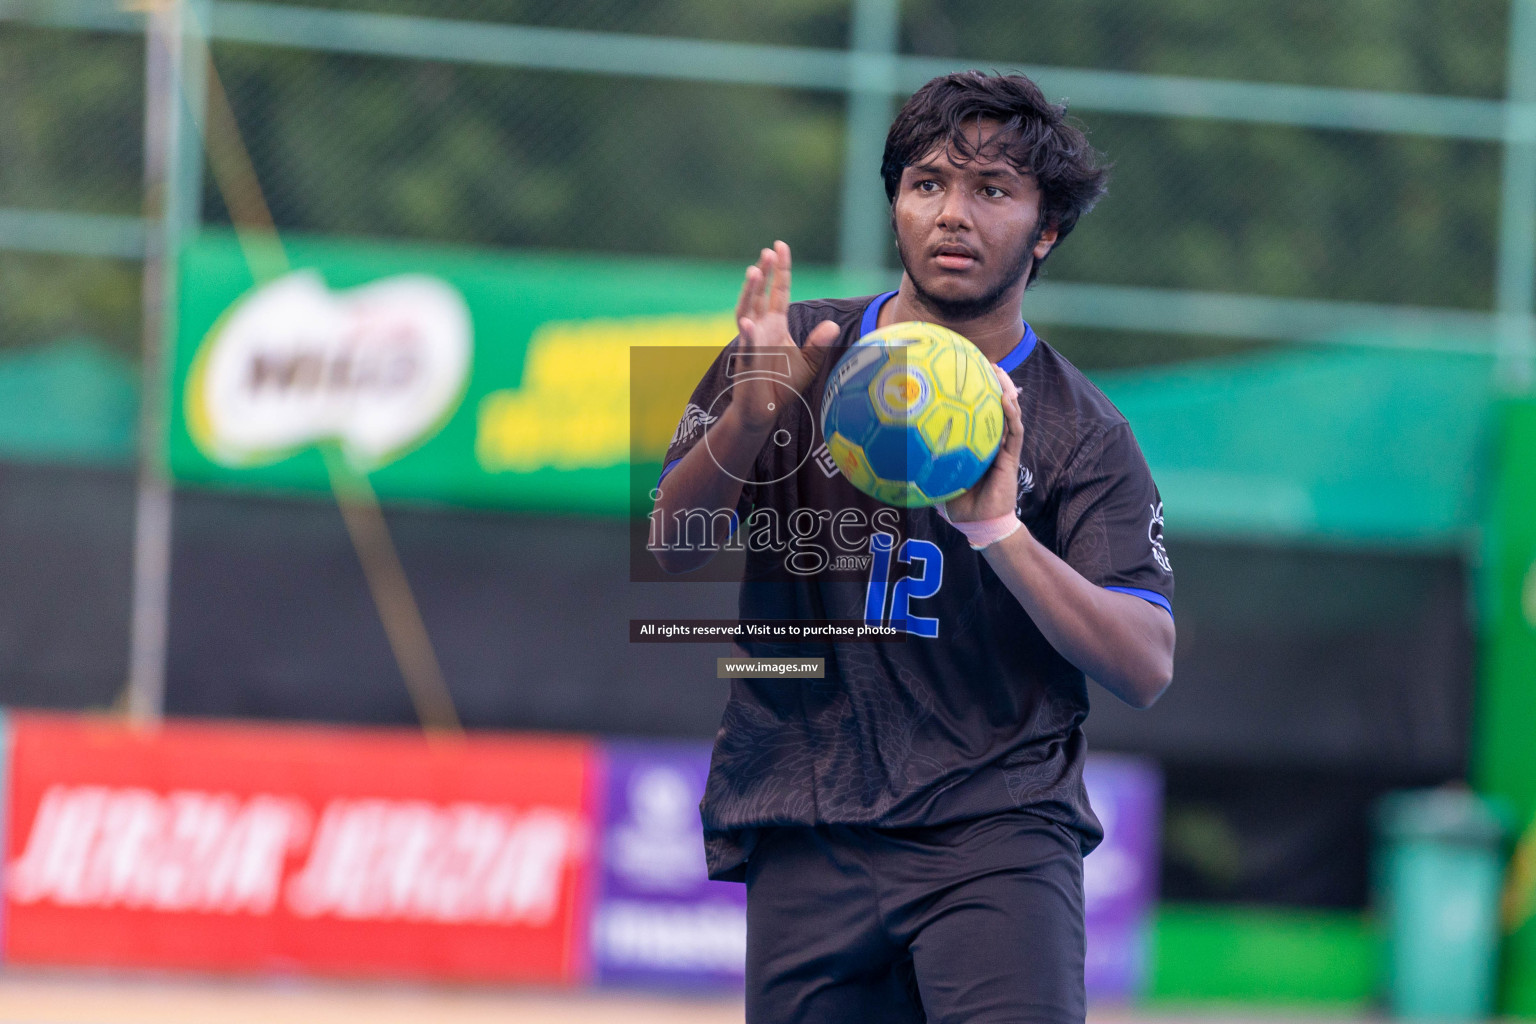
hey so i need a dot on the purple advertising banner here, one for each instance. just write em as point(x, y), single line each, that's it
point(658, 920)
point(1120, 877)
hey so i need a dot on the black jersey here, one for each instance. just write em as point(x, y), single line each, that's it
point(975, 712)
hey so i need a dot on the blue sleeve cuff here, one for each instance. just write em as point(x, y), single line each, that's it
point(735, 519)
point(1146, 595)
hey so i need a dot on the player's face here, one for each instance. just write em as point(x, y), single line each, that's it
point(968, 232)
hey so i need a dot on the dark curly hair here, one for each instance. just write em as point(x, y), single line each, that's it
point(1036, 137)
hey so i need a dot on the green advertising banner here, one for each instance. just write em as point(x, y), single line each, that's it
point(474, 377)
point(1505, 752)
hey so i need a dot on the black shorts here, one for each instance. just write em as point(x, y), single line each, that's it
point(979, 921)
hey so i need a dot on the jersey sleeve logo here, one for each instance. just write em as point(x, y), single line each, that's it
point(694, 420)
point(1026, 484)
point(1155, 535)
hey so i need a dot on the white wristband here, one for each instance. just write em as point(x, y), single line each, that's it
point(983, 533)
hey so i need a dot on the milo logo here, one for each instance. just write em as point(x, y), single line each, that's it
point(377, 369)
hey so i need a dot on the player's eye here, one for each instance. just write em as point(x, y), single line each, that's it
point(993, 192)
point(927, 185)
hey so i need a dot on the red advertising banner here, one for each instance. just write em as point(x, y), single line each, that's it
point(259, 847)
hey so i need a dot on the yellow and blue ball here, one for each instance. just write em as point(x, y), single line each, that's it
point(913, 414)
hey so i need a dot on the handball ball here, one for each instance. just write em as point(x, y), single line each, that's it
point(913, 414)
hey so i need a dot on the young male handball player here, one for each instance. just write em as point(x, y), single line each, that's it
point(911, 827)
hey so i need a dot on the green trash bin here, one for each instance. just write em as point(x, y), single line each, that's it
point(1439, 874)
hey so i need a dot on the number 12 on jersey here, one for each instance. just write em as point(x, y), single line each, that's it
point(927, 561)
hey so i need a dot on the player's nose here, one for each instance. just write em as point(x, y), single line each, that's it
point(954, 212)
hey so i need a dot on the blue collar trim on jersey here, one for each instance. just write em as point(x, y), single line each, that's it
point(1019, 353)
point(872, 313)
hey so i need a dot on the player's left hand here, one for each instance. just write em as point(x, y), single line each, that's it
point(997, 492)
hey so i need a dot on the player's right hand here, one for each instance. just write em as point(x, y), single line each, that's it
point(772, 369)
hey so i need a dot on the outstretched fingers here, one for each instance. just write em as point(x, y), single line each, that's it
point(752, 284)
point(754, 301)
point(778, 293)
point(764, 300)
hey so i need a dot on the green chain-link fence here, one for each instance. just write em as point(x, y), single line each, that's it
point(360, 124)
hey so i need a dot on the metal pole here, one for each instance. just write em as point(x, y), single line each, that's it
point(187, 211)
point(163, 58)
point(865, 231)
point(1516, 284)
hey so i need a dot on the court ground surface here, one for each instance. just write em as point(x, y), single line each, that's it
point(88, 997)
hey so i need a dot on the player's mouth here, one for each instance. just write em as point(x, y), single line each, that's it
point(952, 256)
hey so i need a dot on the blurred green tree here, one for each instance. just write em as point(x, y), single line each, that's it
point(479, 155)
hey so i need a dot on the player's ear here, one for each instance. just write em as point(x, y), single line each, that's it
point(1046, 241)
